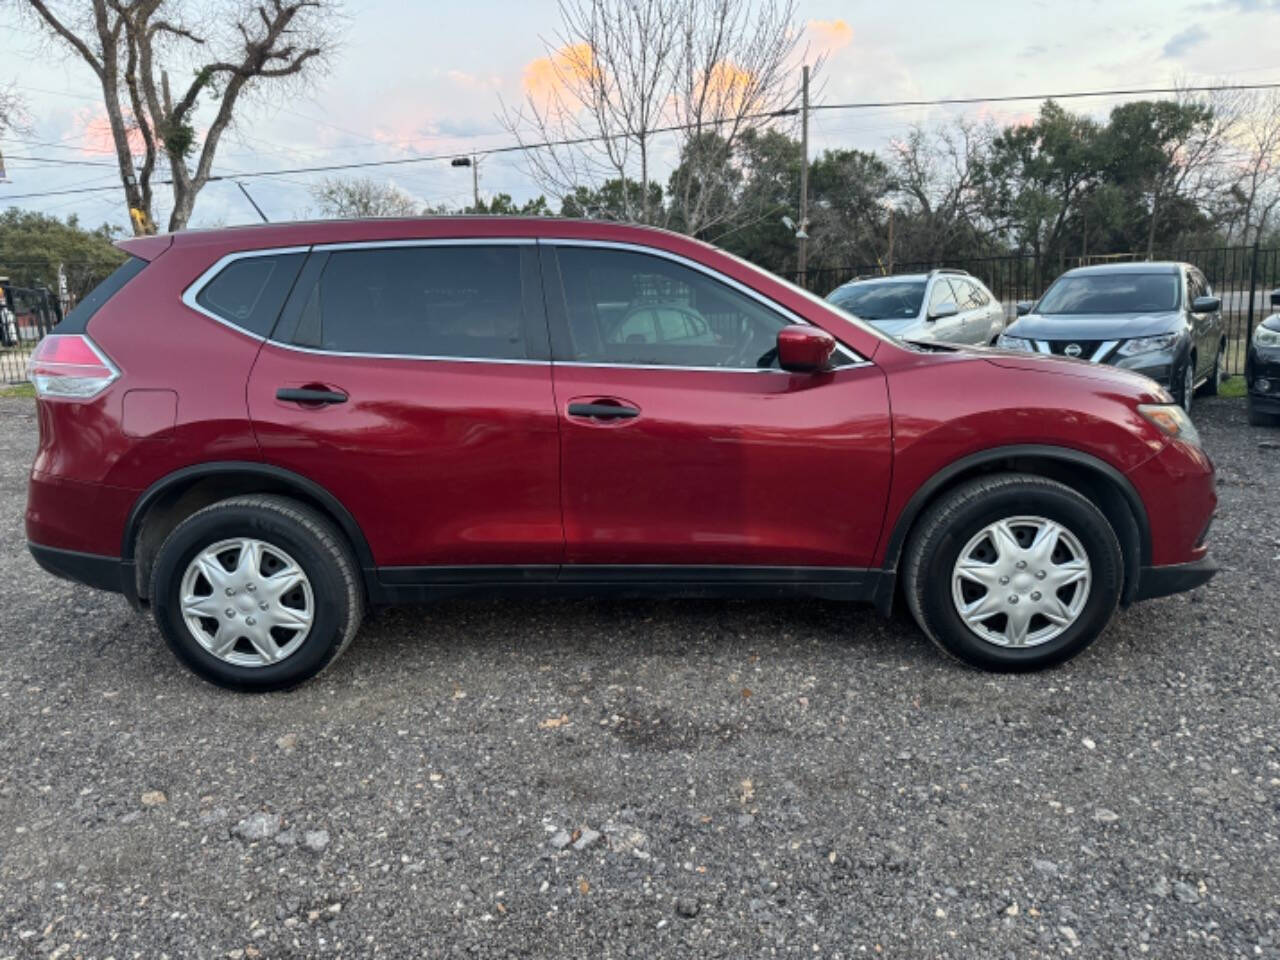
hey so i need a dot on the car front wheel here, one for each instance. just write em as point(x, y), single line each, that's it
point(1013, 572)
point(256, 593)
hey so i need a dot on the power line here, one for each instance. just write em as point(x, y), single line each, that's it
point(60, 160)
point(1077, 95)
point(671, 128)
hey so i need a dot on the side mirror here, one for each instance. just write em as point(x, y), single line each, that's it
point(1206, 304)
point(1275, 297)
point(805, 349)
point(943, 310)
point(1024, 307)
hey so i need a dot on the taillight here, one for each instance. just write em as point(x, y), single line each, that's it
point(70, 366)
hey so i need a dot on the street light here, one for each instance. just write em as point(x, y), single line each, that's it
point(474, 164)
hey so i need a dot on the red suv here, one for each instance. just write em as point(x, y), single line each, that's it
point(262, 432)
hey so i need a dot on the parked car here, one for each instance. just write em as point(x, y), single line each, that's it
point(943, 305)
point(260, 432)
point(1262, 369)
point(1159, 319)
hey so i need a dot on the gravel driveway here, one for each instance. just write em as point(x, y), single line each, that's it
point(608, 778)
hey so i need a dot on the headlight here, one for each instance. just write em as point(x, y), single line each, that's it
point(1147, 344)
point(1266, 337)
point(1171, 420)
point(1014, 343)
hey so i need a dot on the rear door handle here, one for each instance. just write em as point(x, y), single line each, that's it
point(310, 395)
point(602, 411)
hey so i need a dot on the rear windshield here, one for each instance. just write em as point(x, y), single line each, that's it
point(1112, 293)
point(91, 303)
point(881, 299)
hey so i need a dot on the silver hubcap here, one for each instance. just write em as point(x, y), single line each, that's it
point(247, 602)
point(1021, 582)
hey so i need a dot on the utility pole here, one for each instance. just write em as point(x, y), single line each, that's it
point(802, 235)
point(474, 163)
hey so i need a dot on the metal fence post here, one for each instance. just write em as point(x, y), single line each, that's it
point(1253, 284)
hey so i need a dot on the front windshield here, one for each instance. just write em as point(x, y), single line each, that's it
point(1112, 293)
point(881, 299)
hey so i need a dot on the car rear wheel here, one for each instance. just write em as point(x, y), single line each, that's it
point(1013, 572)
point(256, 593)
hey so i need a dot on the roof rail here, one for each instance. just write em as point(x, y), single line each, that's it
point(955, 270)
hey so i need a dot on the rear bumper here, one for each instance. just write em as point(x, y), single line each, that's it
point(91, 569)
point(1176, 578)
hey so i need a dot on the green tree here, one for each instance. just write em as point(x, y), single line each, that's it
point(612, 200)
point(1035, 174)
point(32, 245)
point(1156, 152)
point(503, 205)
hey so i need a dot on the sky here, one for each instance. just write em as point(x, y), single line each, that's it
point(423, 78)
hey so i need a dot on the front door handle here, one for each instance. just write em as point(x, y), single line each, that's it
point(316, 395)
point(602, 411)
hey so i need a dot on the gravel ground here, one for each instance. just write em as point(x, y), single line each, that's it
point(609, 778)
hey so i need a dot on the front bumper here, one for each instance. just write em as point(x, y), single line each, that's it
point(1175, 578)
point(1264, 364)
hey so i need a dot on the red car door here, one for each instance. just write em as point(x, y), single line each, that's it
point(411, 380)
point(682, 445)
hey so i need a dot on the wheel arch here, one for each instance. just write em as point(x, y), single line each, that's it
point(175, 496)
point(1092, 477)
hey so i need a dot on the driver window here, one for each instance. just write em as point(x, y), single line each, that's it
point(634, 308)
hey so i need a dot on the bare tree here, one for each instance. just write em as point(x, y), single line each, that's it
point(13, 111)
point(363, 197)
point(1252, 160)
point(618, 73)
point(132, 45)
point(939, 174)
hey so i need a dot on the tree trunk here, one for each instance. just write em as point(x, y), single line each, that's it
point(1151, 233)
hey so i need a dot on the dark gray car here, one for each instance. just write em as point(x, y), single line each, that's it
point(1159, 319)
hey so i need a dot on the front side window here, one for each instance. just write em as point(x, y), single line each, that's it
point(1112, 293)
point(881, 299)
point(636, 308)
point(426, 301)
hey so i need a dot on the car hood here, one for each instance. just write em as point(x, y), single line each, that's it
point(894, 328)
point(1092, 326)
point(1117, 378)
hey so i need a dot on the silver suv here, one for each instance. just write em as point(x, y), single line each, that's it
point(947, 305)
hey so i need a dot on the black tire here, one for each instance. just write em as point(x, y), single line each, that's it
point(1210, 386)
point(1184, 384)
point(316, 546)
point(959, 515)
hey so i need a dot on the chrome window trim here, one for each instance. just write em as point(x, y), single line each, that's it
point(196, 286)
point(404, 356)
point(426, 242)
point(791, 315)
point(199, 283)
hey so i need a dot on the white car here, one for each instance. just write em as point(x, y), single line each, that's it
point(946, 305)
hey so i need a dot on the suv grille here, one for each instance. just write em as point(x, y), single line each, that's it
point(1087, 348)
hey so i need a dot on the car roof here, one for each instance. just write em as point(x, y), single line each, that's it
point(1159, 266)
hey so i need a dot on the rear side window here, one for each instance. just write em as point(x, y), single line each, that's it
point(78, 318)
point(249, 292)
point(462, 301)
